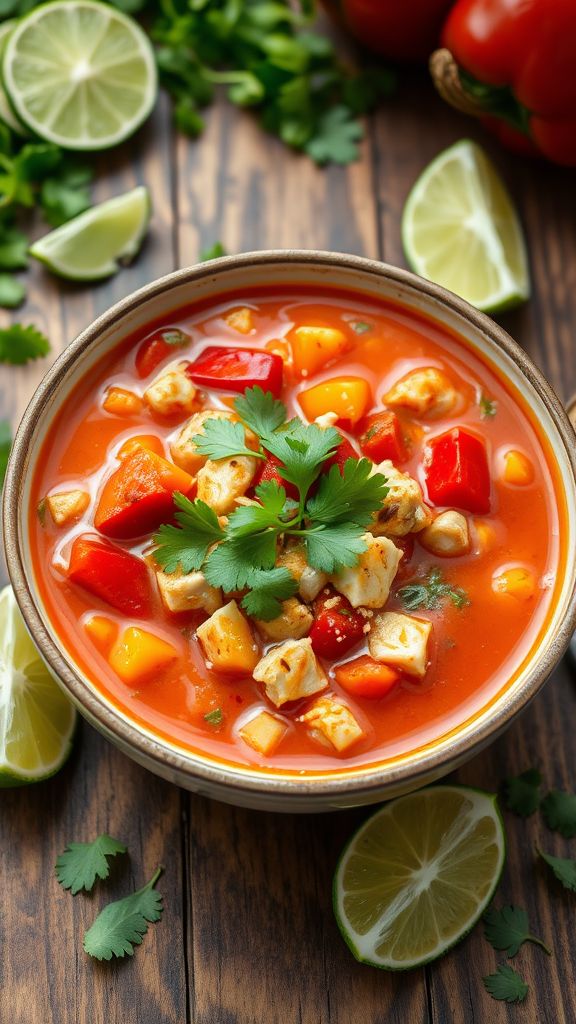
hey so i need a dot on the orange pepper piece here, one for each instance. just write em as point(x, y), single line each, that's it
point(348, 397)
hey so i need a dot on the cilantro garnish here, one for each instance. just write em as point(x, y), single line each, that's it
point(559, 810)
point(123, 924)
point(360, 326)
point(214, 717)
point(488, 407)
point(243, 555)
point(80, 864)
point(12, 291)
point(212, 253)
point(507, 930)
point(506, 985)
point(563, 867)
point(429, 591)
point(19, 344)
point(522, 793)
point(5, 445)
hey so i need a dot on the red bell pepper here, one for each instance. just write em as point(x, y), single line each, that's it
point(382, 438)
point(364, 677)
point(113, 575)
point(337, 626)
point(157, 348)
point(343, 452)
point(269, 471)
point(400, 31)
point(235, 369)
point(516, 63)
point(456, 471)
point(137, 497)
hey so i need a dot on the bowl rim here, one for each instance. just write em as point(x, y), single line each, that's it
point(203, 769)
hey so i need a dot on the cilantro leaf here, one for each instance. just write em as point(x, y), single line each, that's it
point(563, 867)
point(222, 439)
point(80, 864)
point(123, 924)
point(13, 248)
point(12, 291)
point(230, 565)
point(488, 407)
point(66, 196)
point(260, 411)
point(212, 252)
point(215, 717)
point(429, 591)
point(334, 547)
point(507, 929)
point(336, 137)
point(559, 810)
point(268, 588)
point(185, 546)
point(360, 326)
point(350, 495)
point(5, 445)
point(19, 344)
point(302, 449)
point(251, 518)
point(506, 985)
point(521, 793)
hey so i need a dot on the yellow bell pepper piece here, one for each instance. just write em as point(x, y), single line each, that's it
point(518, 469)
point(138, 654)
point(518, 582)
point(348, 397)
point(313, 347)
point(102, 632)
point(120, 402)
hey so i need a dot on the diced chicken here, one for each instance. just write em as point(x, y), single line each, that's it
point(447, 535)
point(368, 583)
point(327, 419)
point(172, 392)
point(227, 641)
point(403, 510)
point(183, 450)
point(187, 592)
point(427, 392)
point(310, 581)
point(400, 640)
point(331, 722)
point(290, 672)
point(221, 481)
point(240, 319)
point(293, 623)
point(264, 732)
point(67, 506)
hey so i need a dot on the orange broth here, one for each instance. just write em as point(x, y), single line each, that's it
point(475, 650)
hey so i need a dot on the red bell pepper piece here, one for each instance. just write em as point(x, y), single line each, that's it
point(456, 471)
point(516, 61)
point(235, 369)
point(156, 349)
point(382, 438)
point(364, 677)
point(343, 452)
point(269, 471)
point(113, 575)
point(337, 626)
point(402, 32)
point(137, 497)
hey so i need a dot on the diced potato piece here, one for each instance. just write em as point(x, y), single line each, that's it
point(368, 583)
point(518, 469)
point(400, 640)
point(448, 535)
point(310, 581)
point(332, 722)
point(227, 641)
point(241, 320)
point(313, 347)
point(220, 482)
point(263, 732)
point(67, 506)
point(348, 397)
point(403, 509)
point(290, 672)
point(518, 582)
point(138, 654)
point(120, 402)
point(292, 624)
point(181, 592)
point(172, 392)
point(183, 450)
point(102, 632)
point(427, 392)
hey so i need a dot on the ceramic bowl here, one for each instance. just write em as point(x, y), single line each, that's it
point(246, 786)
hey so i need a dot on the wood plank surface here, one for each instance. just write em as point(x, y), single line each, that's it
point(248, 935)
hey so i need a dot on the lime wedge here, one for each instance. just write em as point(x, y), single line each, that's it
point(36, 719)
point(418, 875)
point(95, 243)
point(6, 113)
point(460, 229)
point(80, 74)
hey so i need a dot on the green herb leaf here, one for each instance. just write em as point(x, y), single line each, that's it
point(222, 439)
point(360, 326)
point(212, 253)
point(350, 495)
point(336, 137)
point(521, 793)
point(232, 563)
point(123, 924)
point(19, 344)
point(5, 445)
point(488, 407)
point(334, 547)
point(66, 196)
point(252, 518)
point(268, 588)
point(175, 337)
point(302, 449)
point(215, 717)
point(429, 591)
point(506, 985)
point(12, 292)
point(185, 547)
point(559, 810)
point(563, 867)
point(260, 411)
point(81, 863)
point(507, 929)
point(13, 248)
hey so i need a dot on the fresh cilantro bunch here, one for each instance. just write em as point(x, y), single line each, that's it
point(242, 554)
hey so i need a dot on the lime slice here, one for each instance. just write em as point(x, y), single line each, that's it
point(460, 229)
point(418, 875)
point(80, 74)
point(6, 113)
point(94, 244)
point(36, 719)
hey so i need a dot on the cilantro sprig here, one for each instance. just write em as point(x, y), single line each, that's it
point(242, 554)
point(430, 591)
point(507, 930)
point(121, 925)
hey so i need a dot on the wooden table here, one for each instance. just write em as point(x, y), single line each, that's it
point(248, 935)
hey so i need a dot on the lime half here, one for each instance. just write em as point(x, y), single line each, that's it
point(80, 74)
point(95, 243)
point(36, 719)
point(460, 229)
point(6, 113)
point(418, 875)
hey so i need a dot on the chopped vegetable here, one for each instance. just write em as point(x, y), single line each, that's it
point(149, 441)
point(215, 717)
point(348, 397)
point(336, 627)
point(264, 732)
point(113, 575)
point(456, 471)
point(138, 654)
point(518, 469)
point(120, 402)
point(517, 582)
point(137, 497)
point(160, 346)
point(67, 506)
point(365, 677)
point(227, 641)
point(314, 346)
point(235, 369)
point(381, 438)
point(102, 631)
point(81, 863)
point(429, 591)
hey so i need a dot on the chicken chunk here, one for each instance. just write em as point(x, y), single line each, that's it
point(368, 583)
point(67, 506)
point(227, 642)
point(187, 592)
point(427, 392)
point(172, 392)
point(310, 581)
point(448, 535)
point(290, 672)
point(293, 623)
point(403, 510)
point(331, 722)
point(183, 450)
point(221, 481)
point(400, 640)
point(263, 732)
